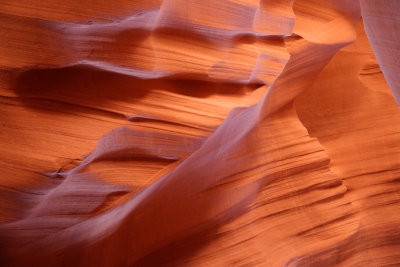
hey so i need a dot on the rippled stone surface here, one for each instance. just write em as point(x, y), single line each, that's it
point(193, 133)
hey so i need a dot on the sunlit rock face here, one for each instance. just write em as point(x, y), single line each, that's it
point(199, 133)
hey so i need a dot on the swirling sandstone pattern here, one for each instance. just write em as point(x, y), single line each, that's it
point(199, 133)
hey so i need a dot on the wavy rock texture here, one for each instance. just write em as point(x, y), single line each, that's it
point(199, 133)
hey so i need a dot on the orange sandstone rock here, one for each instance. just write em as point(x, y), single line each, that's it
point(192, 133)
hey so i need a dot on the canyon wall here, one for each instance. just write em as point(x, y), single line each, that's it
point(199, 133)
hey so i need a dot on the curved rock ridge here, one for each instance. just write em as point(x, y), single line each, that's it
point(386, 46)
point(193, 133)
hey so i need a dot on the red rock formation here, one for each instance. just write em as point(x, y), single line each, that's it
point(382, 25)
point(173, 133)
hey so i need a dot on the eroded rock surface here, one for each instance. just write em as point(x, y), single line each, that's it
point(199, 133)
